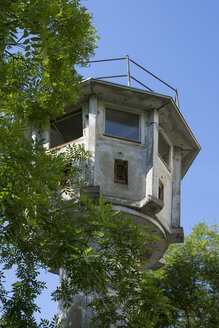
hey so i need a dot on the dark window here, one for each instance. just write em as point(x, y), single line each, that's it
point(164, 149)
point(121, 171)
point(161, 191)
point(122, 124)
point(66, 129)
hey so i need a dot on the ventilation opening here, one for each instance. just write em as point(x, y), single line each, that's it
point(164, 150)
point(121, 171)
point(66, 129)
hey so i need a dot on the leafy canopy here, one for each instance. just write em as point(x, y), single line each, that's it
point(184, 293)
point(191, 279)
point(41, 44)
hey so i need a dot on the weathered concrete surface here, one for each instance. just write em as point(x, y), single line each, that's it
point(176, 188)
point(152, 128)
point(109, 149)
point(166, 177)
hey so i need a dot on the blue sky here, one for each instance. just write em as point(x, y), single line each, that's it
point(179, 42)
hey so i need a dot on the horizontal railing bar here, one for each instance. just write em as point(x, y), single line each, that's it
point(152, 74)
point(129, 76)
point(105, 60)
point(109, 77)
point(142, 84)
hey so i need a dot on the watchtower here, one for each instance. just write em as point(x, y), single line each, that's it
point(142, 147)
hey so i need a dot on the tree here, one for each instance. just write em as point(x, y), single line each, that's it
point(184, 293)
point(41, 44)
point(190, 279)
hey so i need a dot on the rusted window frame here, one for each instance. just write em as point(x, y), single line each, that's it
point(124, 165)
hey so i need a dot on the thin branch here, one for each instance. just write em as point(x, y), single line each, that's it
point(10, 54)
point(20, 39)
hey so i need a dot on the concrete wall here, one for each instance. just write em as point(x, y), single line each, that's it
point(145, 167)
point(107, 150)
point(165, 176)
point(176, 187)
point(151, 132)
point(110, 148)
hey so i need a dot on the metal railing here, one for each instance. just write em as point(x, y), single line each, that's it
point(130, 77)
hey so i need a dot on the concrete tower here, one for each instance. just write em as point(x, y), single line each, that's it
point(142, 148)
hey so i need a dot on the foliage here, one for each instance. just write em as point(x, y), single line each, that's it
point(19, 305)
point(32, 217)
point(111, 252)
point(185, 291)
point(41, 44)
point(190, 279)
point(38, 230)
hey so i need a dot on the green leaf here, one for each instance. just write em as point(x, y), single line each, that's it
point(35, 39)
point(17, 284)
point(25, 33)
point(26, 41)
point(27, 54)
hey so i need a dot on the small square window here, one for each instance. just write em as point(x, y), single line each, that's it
point(121, 171)
point(122, 124)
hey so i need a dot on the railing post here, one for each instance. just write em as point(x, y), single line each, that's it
point(128, 70)
point(176, 98)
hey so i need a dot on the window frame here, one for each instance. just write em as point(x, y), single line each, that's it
point(125, 110)
point(64, 117)
point(170, 150)
point(124, 164)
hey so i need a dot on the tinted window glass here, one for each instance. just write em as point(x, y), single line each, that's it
point(122, 124)
point(164, 149)
point(66, 129)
